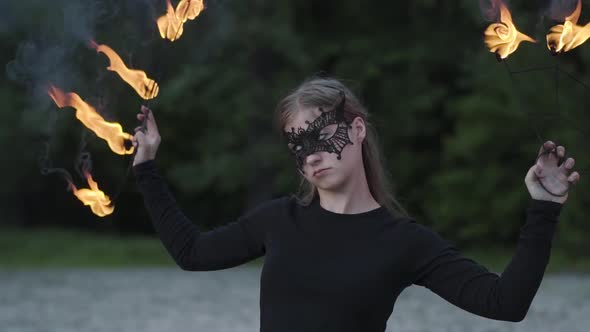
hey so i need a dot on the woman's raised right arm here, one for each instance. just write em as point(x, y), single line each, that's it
point(223, 247)
point(192, 249)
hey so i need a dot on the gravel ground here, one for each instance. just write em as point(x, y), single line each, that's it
point(168, 299)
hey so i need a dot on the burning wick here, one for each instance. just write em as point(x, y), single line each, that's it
point(171, 24)
point(189, 9)
point(99, 203)
point(503, 38)
point(112, 132)
point(569, 35)
point(145, 87)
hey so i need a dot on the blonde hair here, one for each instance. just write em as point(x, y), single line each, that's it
point(325, 92)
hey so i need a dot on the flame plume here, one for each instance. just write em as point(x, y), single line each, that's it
point(145, 87)
point(569, 35)
point(112, 132)
point(189, 9)
point(171, 24)
point(99, 203)
point(503, 38)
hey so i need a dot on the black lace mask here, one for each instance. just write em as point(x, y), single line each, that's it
point(328, 132)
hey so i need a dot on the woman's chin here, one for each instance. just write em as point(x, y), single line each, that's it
point(328, 184)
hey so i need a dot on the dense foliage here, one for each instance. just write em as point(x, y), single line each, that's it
point(458, 132)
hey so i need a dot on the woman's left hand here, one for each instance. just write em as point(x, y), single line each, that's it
point(557, 177)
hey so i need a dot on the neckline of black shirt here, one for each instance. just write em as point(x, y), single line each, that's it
point(317, 207)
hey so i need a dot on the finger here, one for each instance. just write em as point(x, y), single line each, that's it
point(139, 136)
point(531, 176)
point(138, 128)
point(144, 109)
point(151, 122)
point(574, 177)
point(568, 164)
point(549, 157)
point(561, 151)
point(538, 170)
point(140, 116)
point(546, 147)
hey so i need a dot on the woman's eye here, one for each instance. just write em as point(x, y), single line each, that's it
point(293, 147)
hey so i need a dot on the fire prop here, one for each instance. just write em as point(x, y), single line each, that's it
point(145, 87)
point(569, 35)
point(99, 203)
point(111, 132)
point(503, 38)
point(170, 25)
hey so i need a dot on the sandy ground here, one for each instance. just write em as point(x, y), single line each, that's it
point(157, 300)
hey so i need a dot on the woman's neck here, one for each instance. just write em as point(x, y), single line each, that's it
point(353, 197)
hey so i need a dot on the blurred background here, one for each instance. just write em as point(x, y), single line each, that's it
point(458, 131)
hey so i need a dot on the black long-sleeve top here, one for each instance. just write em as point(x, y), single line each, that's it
point(326, 271)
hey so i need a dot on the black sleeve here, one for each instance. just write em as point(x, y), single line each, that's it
point(439, 266)
point(223, 247)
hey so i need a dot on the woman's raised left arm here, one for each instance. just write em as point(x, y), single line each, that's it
point(439, 266)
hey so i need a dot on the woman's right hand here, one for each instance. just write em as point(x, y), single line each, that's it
point(147, 138)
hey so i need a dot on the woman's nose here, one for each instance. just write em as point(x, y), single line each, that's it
point(313, 158)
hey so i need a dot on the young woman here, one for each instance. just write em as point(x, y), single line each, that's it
point(338, 254)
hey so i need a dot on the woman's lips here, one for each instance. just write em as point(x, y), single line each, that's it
point(320, 172)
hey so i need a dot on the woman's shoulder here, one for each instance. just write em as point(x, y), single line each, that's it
point(411, 228)
point(421, 237)
point(269, 208)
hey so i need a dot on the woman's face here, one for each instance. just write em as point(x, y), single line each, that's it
point(334, 172)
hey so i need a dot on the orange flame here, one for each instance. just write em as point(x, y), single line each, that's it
point(145, 87)
point(170, 25)
point(99, 203)
point(569, 35)
point(189, 9)
point(112, 132)
point(503, 38)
